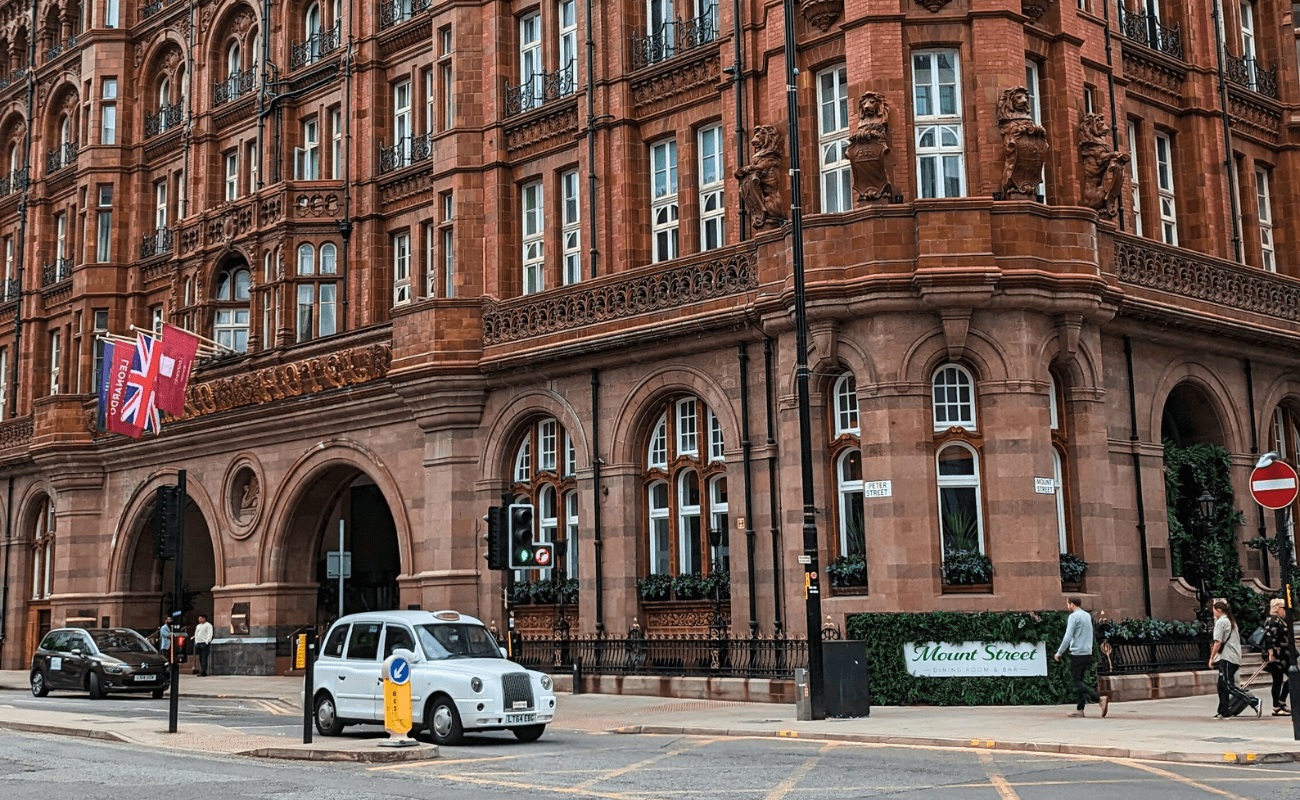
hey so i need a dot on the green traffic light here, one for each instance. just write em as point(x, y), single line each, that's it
point(524, 556)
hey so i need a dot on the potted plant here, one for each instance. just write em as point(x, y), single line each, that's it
point(967, 568)
point(569, 591)
point(692, 587)
point(848, 571)
point(719, 585)
point(1073, 568)
point(655, 587)
point(543, 591)
point(521, 593)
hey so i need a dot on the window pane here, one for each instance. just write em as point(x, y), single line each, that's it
point(956, 461)
point(959, 518)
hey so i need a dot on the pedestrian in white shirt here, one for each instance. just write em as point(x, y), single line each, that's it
point(202, 641)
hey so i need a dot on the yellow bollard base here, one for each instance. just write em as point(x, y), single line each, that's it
point(401, 741)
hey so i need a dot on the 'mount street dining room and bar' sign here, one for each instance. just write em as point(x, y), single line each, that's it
point(975, 659)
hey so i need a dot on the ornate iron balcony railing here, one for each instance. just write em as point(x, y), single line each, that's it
point(405, 151)
point(1146, 29)
point(674, 38)
point(60, 270)
point(393, 12)
point(59, 48)
point(317, 46)
point(15, 181)
point(168, 117)
point(11, 290)
point(234, 87)
point(541, 88)
point(157, 243)
point(12, 78)
point(1248, 72)
point(62, 156)
point(152, 9)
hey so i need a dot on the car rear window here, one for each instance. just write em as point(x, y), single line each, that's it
point(397, 637)
point(121, 642)
point(338, 638)
point(364, 644)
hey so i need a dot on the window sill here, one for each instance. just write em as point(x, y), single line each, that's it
point(974, 588)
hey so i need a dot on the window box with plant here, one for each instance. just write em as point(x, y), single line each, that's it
point(963, 564)
point(1073, 569)
point(848, 573)
point(655, 588)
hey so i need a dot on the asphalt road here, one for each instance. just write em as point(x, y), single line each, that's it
point(568, 764)
point(267, 717)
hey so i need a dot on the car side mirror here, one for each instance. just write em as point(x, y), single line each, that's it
point(504, 654)
point(77, 652)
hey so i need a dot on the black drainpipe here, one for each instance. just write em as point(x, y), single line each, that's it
point(596, 543)
point(1254, 451)
point(20, 243)
point(592, 250)
point(773, 507)
point(1137, 477)
point(737, 71)
point(9, 545)
point(745, 449)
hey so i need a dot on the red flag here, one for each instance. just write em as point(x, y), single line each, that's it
point(178, 350)
point(119, 372)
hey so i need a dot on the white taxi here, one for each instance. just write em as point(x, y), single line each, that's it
point(460, 678)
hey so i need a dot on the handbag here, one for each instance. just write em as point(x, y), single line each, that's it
point(1256, 639)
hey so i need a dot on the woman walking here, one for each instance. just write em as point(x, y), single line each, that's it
point(1225, 654)
point(1277, 654)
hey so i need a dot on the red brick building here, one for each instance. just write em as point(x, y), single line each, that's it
point(467, 249)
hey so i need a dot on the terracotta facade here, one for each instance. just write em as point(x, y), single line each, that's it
point(437, 235)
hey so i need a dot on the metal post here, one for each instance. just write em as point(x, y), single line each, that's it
point(813, 599)
point(340, 569)
point(1284, 557)
point(178, 602)
point(309, 686)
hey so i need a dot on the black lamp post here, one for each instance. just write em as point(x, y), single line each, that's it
point(718, 627)
point(1205, 507)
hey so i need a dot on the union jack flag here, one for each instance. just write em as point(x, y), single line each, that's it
point(139, 408)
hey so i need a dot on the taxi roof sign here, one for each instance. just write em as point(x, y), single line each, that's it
point(446, 616)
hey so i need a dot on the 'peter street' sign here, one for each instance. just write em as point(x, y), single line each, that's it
point(975, 659)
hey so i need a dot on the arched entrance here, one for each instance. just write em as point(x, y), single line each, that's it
point(1197, 466)
point(150, 581)
point(1189, 418)
point(344, 495)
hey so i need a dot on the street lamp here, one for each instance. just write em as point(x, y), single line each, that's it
point(718, 627)
point(1205, 506)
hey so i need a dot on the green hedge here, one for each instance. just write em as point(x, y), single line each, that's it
point(885, 634)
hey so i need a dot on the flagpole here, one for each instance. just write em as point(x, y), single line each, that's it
point(214, 345)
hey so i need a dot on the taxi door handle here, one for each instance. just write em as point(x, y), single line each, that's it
point(343, 677)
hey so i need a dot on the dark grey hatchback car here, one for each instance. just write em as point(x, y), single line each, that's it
point(98, 661)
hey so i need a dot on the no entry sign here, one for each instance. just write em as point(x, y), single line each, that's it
point(1274, 486)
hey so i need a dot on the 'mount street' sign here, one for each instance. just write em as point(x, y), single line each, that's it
point(977, 659)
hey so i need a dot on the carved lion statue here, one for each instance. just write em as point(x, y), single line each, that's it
point(758, 179)
point(1103, 167)
point(868, 147)
point(1024, 143)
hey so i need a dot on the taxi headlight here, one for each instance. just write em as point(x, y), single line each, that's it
point(476, 684)
point(547, 683)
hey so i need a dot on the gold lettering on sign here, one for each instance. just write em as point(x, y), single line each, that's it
point(350, 367)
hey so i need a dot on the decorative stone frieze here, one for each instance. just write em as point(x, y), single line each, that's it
point(681, 82)
point(1024, 144)
point(1035, 9)
point(564, 310)
point(759, 189)
point(1103, 167)
point(821, 14)
point(542, 129)
point(868, 147)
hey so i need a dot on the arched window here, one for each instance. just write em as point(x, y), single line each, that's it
point(329, 258)
point(312, 23)
point(686, 491)
point(1058, 475)
point(543, 475)
point(1060, 464)
point(65, 129)
point(164, 92)
point(846, 405)
point(234, 59)
point(961, 520)
point(852, 519)
point(230, 327)
point(306, 259)
point(43, 551)
point(954, 398)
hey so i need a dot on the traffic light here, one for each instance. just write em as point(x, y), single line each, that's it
point(179, 641)
point(166, 521)
point(520, 535)
point(498, 545)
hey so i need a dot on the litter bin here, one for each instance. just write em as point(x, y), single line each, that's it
point(848, 679)
point(802, 702)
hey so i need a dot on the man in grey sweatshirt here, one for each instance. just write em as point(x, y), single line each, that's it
point(1078, 641)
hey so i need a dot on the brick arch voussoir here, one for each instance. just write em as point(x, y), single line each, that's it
point(1190, 371)
point(504, 431)
point(131, 524)
point(634, 414)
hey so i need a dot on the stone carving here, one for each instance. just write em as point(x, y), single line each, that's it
point(16, 433)
point(1103, 168)
point(139, 54)
point(349, 367)
point(579, 306)
point(1034, 9)
point(933, 6)
point(250, 497)
point(821, 13)
point(868, 147)
point(1185, 275)
point(684, 82)
point(243, 22)
point(542, 129)
point(758, 179)
point(317, 205)
point(1024, 143)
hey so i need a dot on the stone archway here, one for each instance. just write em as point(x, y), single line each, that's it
point(343, 493)
point(148, 582)
point(1189, 417)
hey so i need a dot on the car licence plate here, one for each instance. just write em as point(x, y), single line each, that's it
point(512, 719)
point(144, 678)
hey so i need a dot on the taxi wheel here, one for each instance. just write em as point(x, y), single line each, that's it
point(443, 721)
point(327, 716)
point(39, 687)
point(529, 733)
point(94, 686)
point(159, 692)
